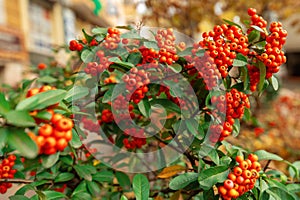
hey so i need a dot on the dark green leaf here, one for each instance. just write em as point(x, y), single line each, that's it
point(253, 36)
point(53, 195)
point(77, 92)
point(81, 196)
point(20, 118)
point(42, 100)
point(85, 171)
point(141, 187)
point(18, 139)
point(144, 107)
point(210, 151)
point(103, 176)
point(166, 104)
point(81, 188)
point(93, 188)
point(117, 60)
point(232, 23)
point(49, 160)
point(262, 75)
point(183, 180)
point(67, 159)
point(192, 126)
point(45, 115)
point(123, 180)
point(247, 114)
point(134, 58)
point(18, 197)
point(87, 56)
point(212, 175)
point(264, 155)
point(4, 105)
point(63, 177)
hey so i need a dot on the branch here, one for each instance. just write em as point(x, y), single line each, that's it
point(16, 180)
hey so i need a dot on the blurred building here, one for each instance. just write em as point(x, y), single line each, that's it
point(29, 29)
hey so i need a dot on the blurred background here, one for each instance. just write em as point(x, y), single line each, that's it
point(30, 29)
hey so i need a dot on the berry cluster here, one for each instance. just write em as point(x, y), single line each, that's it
point(89, 124)
point(242, 178)
point(166, 42)
point(136, 83)
point(135, 140)
point(222, 44)
point(75, 46)
point(233, 103)
point(256, 20)
point(54, 134)
point(7, 171)
point(106, 116)
point(149, 55)
point(176, 100)
point(204, 67)
point(112, 39)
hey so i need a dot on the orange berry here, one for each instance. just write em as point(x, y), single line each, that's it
point(46, 130)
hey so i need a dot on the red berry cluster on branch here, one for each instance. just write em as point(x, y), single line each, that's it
point(136, 83)
point(135, 140)
point(112, 39)
point(89, 124)
point(256, 20)
point(222, 44)
point(7, 171)
point(75, 46)
point(242, 178)
point(166, 42)
point(54, 134)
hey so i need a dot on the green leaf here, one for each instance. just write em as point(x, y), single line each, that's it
point(258, 28)
point(88, 37)
point(123, 197)
point(231, 23)
point(53, 195)
point(117, 60)
point(85, 171)
point(77, 92)
point(279, 193)
point(151, 44)
point(64, 177)
point(4, 105)
point(75, 142)
point(274, 82)
point(240, 60)
point(144, 107)
point(236, 128)
point(131, 35)
point(3, 136)
point(103, 176)
point(99, 30)
point(294, 188)
point(247, 114)
point(83, 195)
point(175, 67)
point(183, 180)
point(166, 104)
point(185, 52)
point(18, 197)
point(192, 126)
point(134, 58)
point(200, 52)
point(87, 56)
point(210, 151)
point(93, 188)
point(67, 159)
point(141, 187)
point(262, 75)
point(18, 139)
point(45, 115)
point(253, 36)
point(294, 169)
point(49, 160)
point(47, 79)
point(264, 155)
point(20, 118)
point(212, 175)
point(42, 100)
point(123, 180)
point(81, 188)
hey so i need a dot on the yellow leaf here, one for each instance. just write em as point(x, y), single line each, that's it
point(170, 171)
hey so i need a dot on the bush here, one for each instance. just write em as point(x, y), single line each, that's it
point(146, 117)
